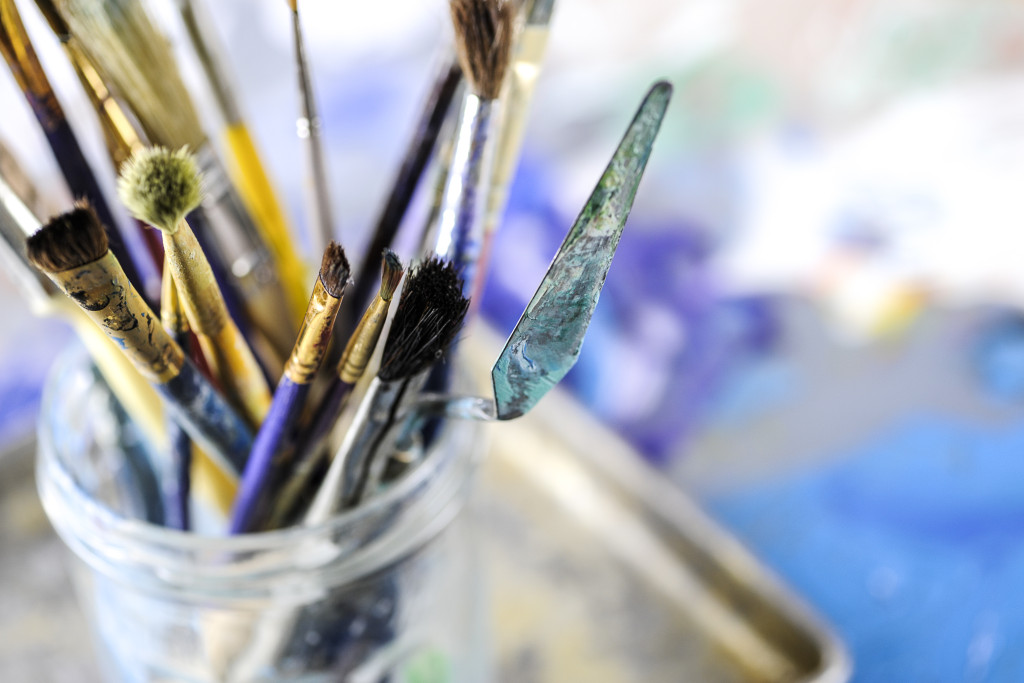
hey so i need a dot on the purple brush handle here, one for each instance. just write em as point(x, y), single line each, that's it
point(289, 398)
point(82, 183)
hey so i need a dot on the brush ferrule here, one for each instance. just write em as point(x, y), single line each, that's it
point(103, 291)
point(460, 233)
point(360, 346)
point(314, 336)
point(200, 297)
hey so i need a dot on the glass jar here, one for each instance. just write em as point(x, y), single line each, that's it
point(389, 591)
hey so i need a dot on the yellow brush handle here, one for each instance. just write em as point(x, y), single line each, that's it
point(211, 483)
point(251, 179)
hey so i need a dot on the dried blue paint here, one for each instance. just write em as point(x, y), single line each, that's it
point(546, 342)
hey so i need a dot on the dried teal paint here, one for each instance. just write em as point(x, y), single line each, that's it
point(546, 342)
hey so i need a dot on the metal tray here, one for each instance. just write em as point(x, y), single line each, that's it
point(602, 570)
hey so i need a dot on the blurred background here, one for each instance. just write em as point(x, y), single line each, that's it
point(812, 324)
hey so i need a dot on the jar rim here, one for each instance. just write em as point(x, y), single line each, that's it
point(95, 532)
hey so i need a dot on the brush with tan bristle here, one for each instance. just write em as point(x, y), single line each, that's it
point(136, 59)
point(484, 30)
point(161, 187)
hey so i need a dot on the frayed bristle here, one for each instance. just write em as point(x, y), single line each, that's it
point(430, 313)
point(483, 39)
point(67, 241)
point(137, 60)
point(334, 270)
point(391, 274)
point(160, 187)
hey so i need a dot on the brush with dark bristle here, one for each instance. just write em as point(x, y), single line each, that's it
point(131, 54)
point(483, 40)
point(293, 389)
point(484, 30)
point(72, 250)
point(161, 187)
point(429, 315)
point(310, 449)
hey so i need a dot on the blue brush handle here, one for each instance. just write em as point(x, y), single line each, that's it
point(82, 183)
point(176, 481)
point(209, 420)
point(289, 399)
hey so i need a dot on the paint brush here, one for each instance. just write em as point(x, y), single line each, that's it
point(293, 389)
point(17, 223)
point(72, 250)
point(527, 58)
point(483, 38)
point(161, 187)
point(354, 359)
point(429, 314)
point(17, 50)
point(245, 163)
point(136, 59)
point(176, 479)
point(321, 213)
point(414, 162)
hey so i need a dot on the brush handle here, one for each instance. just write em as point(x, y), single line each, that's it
point(250, 175)
point(464, 201)
point(289, 399)
point(176, 480)
point(417, 154)
point(308, 127)
point(208, 419)
point(309, 452)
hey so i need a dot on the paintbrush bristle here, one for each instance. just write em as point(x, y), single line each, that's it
point(334, 270)
point(69, 240)
point(483, 39)
point(429, 314)
point(160, 187)
point(391, 275)
point(137, 60)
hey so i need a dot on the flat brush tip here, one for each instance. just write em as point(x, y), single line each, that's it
point(334, 270)
point(483, 39)
point(160, 187)
point(293, 5)
point(69, 240)
point(391, 275)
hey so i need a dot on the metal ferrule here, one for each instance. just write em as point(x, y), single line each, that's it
point(340, 485)
point(460, 231)
point(200, 27)
point(525, 69)
point(307, 127)
point(25, 66)
point(16, 223)
point(239, 243)
point(363, 341)
point(200, 296)
point(121, 131)
point(102, 290)
point(314, 336)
